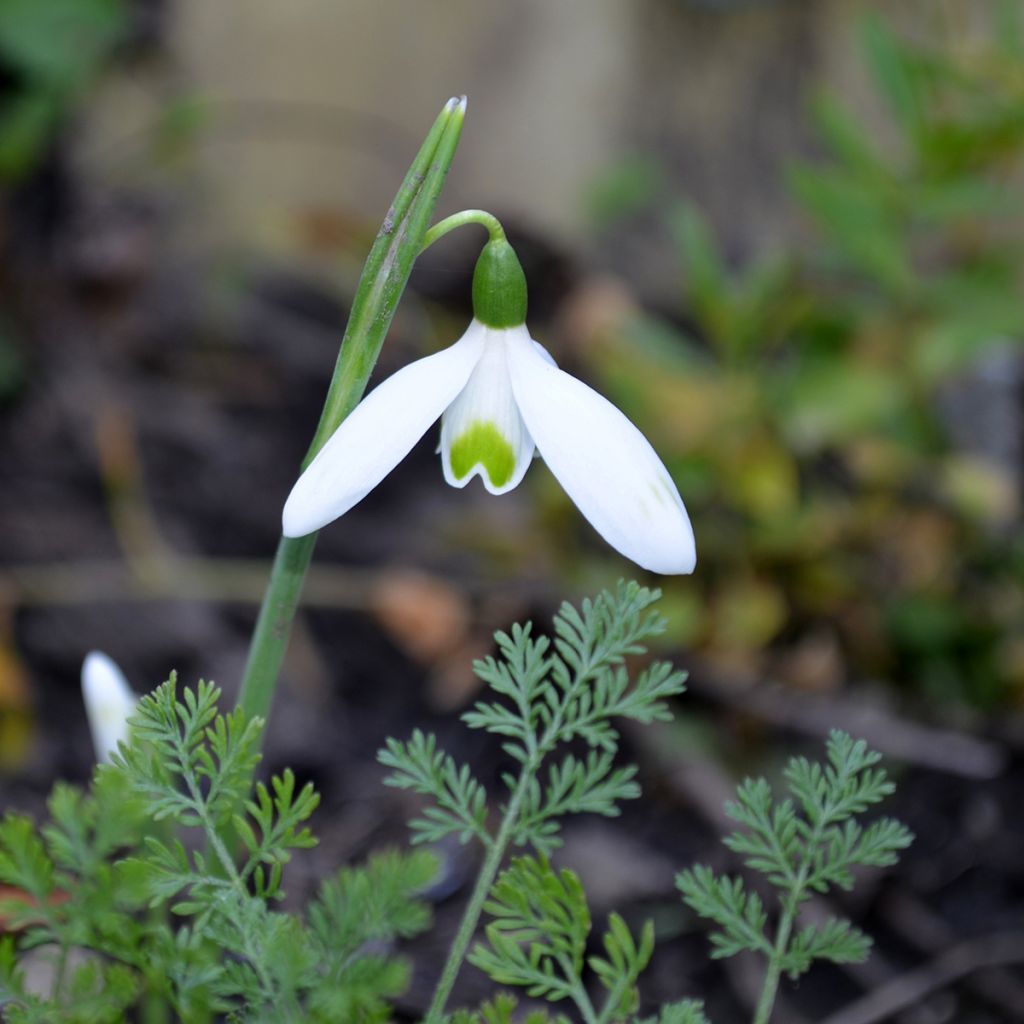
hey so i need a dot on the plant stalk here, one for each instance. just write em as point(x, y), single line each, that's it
point(495, 231)
point(771, 979)
point(274, 624)
point(578, 993)
point(484, 881)
point(381, 285)
point(770, 987)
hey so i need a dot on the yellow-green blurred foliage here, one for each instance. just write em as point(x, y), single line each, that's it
point(840, 531)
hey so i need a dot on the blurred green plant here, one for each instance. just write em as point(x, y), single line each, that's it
point(50, 52)
point(839, 524)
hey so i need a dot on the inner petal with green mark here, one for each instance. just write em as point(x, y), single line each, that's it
point(482, 444)
point(482, 433)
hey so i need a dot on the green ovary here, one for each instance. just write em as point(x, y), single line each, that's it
point(482, 444)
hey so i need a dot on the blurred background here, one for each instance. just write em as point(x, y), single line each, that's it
point(784, 236)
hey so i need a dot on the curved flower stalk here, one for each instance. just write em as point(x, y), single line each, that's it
point(500, 398)
point(109, 703)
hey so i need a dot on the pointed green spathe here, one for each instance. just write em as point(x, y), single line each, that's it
point(387, 269)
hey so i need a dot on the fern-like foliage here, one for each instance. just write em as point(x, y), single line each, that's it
point(65, 894)
point(689, 1011)
point(194, 767)
point(549, 692)
point(537, 940)
point(807, 842)
point(157, 890)
point(359, 906)
point(501, 1010)
point(460, 802)
point(539, 930)
point(546, 692)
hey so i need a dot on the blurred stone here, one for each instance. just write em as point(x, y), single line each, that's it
point(424, 614)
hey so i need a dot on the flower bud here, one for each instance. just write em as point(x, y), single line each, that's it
point(109, 703)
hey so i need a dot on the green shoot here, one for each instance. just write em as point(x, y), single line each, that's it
point(550, 692)
point(538, 936)
point(807, 843)
point(159, 889)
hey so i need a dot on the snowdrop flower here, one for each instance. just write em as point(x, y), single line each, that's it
point(109, 703)
point(499, 396)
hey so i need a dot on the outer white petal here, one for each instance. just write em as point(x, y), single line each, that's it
point(482, 433)
point(109, 703)
point(605, 464)
point(378, 434)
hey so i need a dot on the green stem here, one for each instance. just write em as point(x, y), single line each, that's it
point(274, 624)
point(201, 808)
point(790, 906)
point(578, 993)
point(457, 220)
point(614, 996)
point(60, 971)
point(471, 916)
point(496, 851)
point(202, 812)
point(383, 281)
point(774, 974)
point(153, 1006)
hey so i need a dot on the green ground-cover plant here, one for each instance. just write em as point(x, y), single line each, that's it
point(804, 414)
point(158, 889)
point(135, 892)
point(805, 844)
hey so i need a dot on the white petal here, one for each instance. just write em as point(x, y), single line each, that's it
point(109, 703)
point(544, 353)
point(482, 433)
point(605, 464)
point(378, 434)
